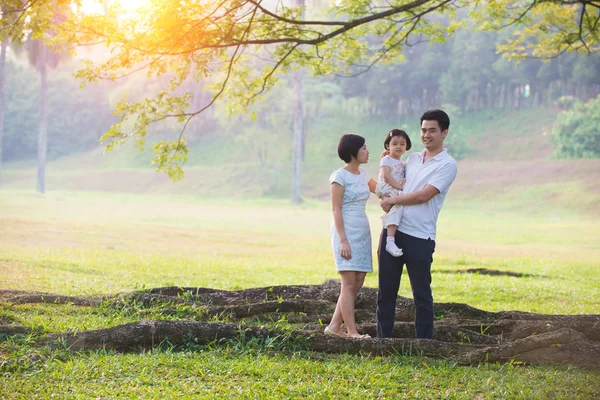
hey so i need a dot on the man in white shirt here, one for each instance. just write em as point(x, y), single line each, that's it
point(429, 175)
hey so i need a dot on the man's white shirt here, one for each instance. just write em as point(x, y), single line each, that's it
point(440, 171)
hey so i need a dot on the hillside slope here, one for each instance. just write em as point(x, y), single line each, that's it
point(510, 167)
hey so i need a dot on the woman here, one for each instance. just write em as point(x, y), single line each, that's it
point(350, 232)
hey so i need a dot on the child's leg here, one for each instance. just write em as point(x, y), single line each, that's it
point(391, 230)
point(390, 244)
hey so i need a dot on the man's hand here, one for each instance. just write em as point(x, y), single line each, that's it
point(385, 153)
point(386, 203)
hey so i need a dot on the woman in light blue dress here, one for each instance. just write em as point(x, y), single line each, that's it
point(350, 231)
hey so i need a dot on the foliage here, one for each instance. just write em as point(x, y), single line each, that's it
point(544, 29)
point(224, 40)
point(576, 132)
point(35, 19)
point(231, 53)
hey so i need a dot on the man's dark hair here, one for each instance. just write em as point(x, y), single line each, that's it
point(437, 115)
point(349, 146)
point(396, 132)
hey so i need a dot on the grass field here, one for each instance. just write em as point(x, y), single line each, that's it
point(83, 243)
point(109, 224)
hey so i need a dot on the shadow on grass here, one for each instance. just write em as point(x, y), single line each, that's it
point(492, 272)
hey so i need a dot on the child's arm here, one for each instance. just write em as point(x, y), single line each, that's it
point(387, 176)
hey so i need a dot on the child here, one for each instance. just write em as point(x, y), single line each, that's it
point(391, 183)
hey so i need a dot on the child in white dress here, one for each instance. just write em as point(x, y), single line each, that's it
point(391, 182)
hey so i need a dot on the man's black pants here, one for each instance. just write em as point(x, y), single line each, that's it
point(418, 256)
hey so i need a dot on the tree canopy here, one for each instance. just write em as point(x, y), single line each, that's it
point(242, 47)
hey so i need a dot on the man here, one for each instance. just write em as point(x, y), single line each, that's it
point(429, 175)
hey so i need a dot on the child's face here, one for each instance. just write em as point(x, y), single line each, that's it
point(397, 146)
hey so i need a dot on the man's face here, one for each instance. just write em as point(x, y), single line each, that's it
point(431, 135)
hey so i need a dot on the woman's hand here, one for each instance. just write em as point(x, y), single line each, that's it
point(345, 250)
point(385, 153)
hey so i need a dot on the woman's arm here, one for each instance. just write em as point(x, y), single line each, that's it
point(372, 185)
point(387, 176)
point(337, 194)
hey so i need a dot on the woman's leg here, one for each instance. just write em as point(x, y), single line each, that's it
point(335, 326)
point(352, 281)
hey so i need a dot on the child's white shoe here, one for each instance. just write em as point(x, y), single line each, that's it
point(393, 249)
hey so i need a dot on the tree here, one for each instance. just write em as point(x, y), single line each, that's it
point(42, 58)
point(38, 20)
point(5, 37)
point(298, 127)
point(576, 132)
point(3, 48)
point(216, 38)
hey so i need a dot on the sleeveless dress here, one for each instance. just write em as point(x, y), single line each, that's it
point(356, 223)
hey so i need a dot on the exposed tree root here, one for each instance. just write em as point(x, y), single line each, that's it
point(462, 333)
point(10, 330)
point(53, 299)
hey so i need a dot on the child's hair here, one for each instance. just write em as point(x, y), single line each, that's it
point(349, 146)
point(396, 132)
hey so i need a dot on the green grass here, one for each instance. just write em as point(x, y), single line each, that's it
point(89, 243)
point(229, 373)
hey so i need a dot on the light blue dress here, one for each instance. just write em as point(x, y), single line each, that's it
point(356, 223)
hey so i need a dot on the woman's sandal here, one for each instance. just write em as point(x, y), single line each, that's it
point(329, 332)
point(365, 336)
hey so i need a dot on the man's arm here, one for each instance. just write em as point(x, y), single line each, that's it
point(441, 181)
point(418, 197)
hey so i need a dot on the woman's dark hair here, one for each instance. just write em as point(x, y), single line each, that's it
point(396, 132)
point(437, 115)
point(349, 146)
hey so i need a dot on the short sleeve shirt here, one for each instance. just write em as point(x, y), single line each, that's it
point(420, 220)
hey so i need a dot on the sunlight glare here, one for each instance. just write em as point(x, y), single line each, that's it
point(132, 5)
point(97, 6)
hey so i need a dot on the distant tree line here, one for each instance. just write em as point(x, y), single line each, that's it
point(465, 73)
point(76, 117)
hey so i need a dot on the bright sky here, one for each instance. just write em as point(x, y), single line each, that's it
point(96, 7)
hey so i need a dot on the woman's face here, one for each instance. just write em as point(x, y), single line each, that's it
point(363, 155)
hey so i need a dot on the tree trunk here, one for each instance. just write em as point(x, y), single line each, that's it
point(298, 126)
point(43, 133)
point(3, 47)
